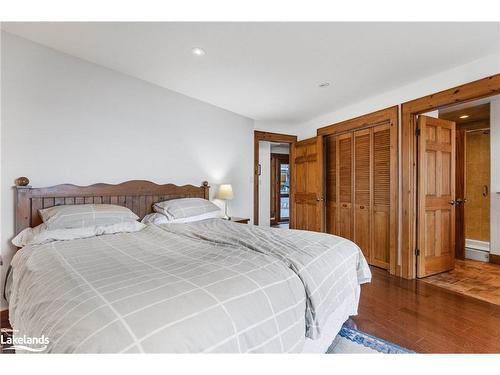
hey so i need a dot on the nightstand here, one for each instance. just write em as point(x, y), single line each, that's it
point(241, 220)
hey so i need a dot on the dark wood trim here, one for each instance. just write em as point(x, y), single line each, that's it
point(482, 88)
point(494, 258)
point(460, 194)
point(358, 123)
point(137, 195)
point(276, 161)
point(270, 137)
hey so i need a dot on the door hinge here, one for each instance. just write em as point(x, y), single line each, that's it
point(417, 252)
point(417, 132)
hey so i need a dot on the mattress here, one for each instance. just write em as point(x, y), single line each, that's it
point(211, 286)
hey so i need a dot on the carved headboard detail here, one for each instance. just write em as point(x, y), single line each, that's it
point(137, 195)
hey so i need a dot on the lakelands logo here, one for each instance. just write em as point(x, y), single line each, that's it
point(22, 343)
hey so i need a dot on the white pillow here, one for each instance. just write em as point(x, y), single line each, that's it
point(85, 215)
point(157, 218)
point(185, 207)
point(41, 234)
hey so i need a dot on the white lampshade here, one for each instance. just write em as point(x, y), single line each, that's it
point(225, 192)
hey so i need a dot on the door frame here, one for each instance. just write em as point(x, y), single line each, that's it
point(276, 180)
point(269, 137)
point(387, 115)
point(482, 88)
point(460, 193)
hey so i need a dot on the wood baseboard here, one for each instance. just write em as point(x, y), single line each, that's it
point(495, 259)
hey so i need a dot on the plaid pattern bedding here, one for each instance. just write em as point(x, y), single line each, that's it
point(168, 289)
point(330, 267)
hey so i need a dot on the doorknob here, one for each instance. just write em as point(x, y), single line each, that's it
point(453, 203)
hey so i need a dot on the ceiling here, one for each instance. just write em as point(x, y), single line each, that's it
point(476, 113)
point(271, 71)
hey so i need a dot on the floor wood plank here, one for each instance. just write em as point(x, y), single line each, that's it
point(473, 278)
point(427, 318)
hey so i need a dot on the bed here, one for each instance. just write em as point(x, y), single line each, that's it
point(207, 286)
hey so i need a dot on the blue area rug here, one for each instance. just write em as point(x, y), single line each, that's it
point(350, 340)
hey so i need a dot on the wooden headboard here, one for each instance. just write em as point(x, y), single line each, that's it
point(137, 195)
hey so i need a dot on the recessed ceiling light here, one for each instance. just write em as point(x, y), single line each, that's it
point(464, 116)
point(197, 51)
point(324, 84)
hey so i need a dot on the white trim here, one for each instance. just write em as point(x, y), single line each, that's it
point(477, 245)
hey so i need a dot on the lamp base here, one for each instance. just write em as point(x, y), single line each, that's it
point(225, 217)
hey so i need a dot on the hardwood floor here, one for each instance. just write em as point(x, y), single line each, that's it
point(476, 279)
point(427, 318)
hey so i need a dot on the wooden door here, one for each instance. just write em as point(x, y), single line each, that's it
point(436, 196)
point(345, 186)
point(362, 190)
point(307, 184)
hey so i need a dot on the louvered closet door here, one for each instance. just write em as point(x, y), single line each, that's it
point(381, 217)
point(362, 190)
point(331, 184)
point(344, 187)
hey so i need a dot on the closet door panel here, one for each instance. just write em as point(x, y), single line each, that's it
point(331, 184)
point(381, 196)
point(345, 186)
point(362, 190)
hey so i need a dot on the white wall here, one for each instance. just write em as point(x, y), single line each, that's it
point(265, 184)
point(495, 176)
point(284, 127)
point(66, 120)
point(279, 149)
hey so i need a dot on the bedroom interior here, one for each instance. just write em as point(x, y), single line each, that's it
point(213, 196)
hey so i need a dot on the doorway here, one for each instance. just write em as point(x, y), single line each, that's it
point(272, 171)
point(473, 156)
point(280, 185)
point(483, 88)
point(456, 168)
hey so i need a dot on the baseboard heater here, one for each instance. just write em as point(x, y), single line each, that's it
point(477, 250)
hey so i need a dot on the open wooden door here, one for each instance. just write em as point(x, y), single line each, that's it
point(436, 196)
point(307, 184)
